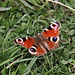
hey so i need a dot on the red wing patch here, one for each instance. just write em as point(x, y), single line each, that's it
point(25, 42)
point(51, 33)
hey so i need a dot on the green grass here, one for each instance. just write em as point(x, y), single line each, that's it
point(24, 18)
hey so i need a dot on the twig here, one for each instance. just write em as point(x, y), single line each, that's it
point(13, 63)
point(61, 4)
point(68, 62)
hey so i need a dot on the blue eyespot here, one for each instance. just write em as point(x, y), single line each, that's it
point(33, 50)
point(54, 39)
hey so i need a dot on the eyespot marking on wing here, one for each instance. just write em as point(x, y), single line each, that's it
point(54, 26)
point(19, 41)
point(54, 39)
point(33, 50)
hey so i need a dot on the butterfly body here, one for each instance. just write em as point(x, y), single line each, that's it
point(42, 43)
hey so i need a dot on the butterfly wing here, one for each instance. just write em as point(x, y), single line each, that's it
point(26, 42)
point(52, 33)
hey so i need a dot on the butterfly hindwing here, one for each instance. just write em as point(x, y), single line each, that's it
point(37, 50)
point(53, 42)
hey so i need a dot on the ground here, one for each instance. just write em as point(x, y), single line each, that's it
point(23, 18)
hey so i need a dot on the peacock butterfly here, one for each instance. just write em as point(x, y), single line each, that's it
point(40, 44)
